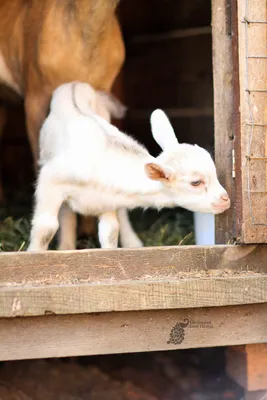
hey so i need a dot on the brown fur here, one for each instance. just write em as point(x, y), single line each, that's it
point(2, 123)
point(46, 43)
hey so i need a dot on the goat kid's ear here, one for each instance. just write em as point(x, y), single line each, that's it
point(162, 130)
point(112, 103)
point(158, 172)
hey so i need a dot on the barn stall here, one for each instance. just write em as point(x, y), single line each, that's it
point(210, 79)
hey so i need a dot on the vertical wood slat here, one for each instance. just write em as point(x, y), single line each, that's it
point(265, 118)
point(252, 47)
point(223, 111)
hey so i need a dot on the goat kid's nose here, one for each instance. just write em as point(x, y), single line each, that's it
point(225, 197)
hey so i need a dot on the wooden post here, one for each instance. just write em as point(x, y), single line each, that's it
point(247, 365)
point(223, 111)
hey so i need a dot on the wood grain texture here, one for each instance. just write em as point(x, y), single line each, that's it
point(123, 280)
point(236, 119)
point(107, 333)
point(136, 16)
point(223, 112)
point(253, 98)
point(172, 34)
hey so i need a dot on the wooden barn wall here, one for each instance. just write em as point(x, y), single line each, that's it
point(169, 65)
point(223, 41)
point(153, 16)
point(251, 143)
point(172, 75)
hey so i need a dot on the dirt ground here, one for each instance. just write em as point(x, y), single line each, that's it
point(178, 375)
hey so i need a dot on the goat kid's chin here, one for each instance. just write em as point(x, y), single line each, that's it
point(211, 208)
point(220, 208)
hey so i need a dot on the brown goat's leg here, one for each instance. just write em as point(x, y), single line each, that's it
point(36, 109)
point(2, 125)
point(88, 226)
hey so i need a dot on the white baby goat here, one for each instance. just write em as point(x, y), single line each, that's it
point(90, 165)
point(87, 100)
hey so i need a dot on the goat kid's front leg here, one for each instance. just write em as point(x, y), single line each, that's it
point(67, 228)
point(128, 237)
point(45, 220)
point(108, 230)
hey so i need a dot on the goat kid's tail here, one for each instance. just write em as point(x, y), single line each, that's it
point(113, 105)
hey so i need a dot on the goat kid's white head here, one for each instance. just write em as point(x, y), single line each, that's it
point(186, 171)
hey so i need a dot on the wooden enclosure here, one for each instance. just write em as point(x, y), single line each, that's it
point(240, 113)
point(211, 80)
point(100, 301)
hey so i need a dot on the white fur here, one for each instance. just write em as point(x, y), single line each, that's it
point(97, 170)
point(104, 105)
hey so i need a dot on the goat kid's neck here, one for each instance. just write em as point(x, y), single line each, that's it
point(134, 185)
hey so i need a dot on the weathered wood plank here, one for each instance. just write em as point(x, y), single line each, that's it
point(121, 296)
point(107, 333)
point(187, 112)
point(236, 120)
point(83, 266)
point(136, 16)
point(253, 98)
point(173, 34)
point(123, 280)
point(223, 111)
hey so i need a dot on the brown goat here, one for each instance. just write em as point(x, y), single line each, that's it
point(44, 44)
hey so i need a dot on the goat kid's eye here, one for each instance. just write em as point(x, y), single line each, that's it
point(197, 183)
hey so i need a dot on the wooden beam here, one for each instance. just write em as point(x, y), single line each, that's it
point(173, 34)
point(122, 280)
point(195, 112)
point(107, 333)
point(223, 112)
point(121, 296)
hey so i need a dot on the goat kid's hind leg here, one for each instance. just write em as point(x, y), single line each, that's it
point(45, 220)
point(67, 228)
point(108, 230)
point(128, 237)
